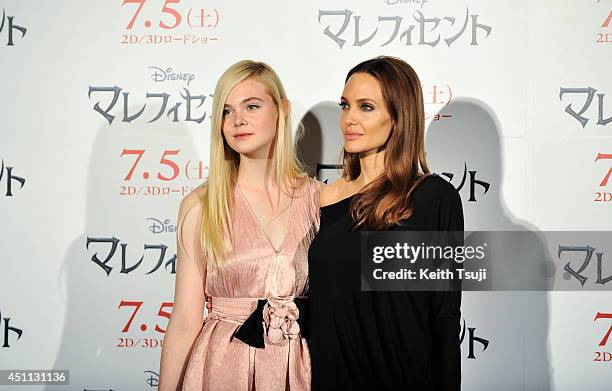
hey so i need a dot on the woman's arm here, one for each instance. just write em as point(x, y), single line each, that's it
point(446, 306)
point(188, 311)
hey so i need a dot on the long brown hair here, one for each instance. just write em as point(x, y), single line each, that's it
point(387, 200)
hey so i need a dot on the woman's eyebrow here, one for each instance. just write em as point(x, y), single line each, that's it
point(245, 100)
point(251, 98)
point(366, 100)
point(360, 99)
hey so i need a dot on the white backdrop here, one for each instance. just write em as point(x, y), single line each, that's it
point(88, 181)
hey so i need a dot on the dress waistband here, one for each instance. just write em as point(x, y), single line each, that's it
point(276, 318)
point(230, 309)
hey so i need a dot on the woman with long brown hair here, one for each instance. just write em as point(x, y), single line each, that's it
point(381, 340)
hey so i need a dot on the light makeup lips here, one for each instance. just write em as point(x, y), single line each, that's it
point(352, 135)
point(242, 135)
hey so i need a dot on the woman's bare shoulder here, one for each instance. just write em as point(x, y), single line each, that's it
point(192, 201)
point(333, 192)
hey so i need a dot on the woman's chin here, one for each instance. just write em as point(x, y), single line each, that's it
point(252, 151)
point(352, 148)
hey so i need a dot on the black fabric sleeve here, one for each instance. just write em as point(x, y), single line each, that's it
point(445, 306)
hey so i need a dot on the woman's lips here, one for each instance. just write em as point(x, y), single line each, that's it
point(242, 136)
point(352, 136)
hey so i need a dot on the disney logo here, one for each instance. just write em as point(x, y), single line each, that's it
point(158, 226)
point(394, 2)
point(160, 75)
point(153, 379)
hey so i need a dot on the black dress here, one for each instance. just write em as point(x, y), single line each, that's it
point(382, 340)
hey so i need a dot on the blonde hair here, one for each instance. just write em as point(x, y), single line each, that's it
point(217, 198)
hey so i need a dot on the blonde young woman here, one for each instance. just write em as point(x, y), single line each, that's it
point(242, 244)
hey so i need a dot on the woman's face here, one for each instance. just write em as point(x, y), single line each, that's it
point(249, 119)
point(364, 119)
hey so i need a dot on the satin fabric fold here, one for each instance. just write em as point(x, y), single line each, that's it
point(219, 360)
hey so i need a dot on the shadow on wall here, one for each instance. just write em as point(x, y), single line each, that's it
point(321, 144)
point(94, 322)
point(467, 150)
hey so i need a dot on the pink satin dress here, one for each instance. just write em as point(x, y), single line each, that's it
point(256, 270)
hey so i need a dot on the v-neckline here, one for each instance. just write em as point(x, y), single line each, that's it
point(263, 231)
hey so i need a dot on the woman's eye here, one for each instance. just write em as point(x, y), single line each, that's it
point(343, 105)
point(252, 107)
point(365, 107)
point(226, 112)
